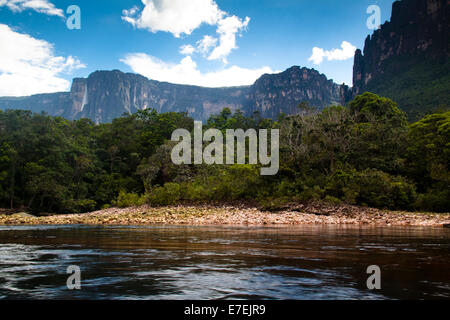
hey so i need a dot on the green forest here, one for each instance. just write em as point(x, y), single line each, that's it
point(420, 89)
point(366, 153)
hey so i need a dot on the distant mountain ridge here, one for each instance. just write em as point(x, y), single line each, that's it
point(407, 60)
point(106, 95)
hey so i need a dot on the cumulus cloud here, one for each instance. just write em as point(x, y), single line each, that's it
point(227, 29)
point(29, 65)
point(346, 52)
point(41, 6)
point(174, 16)
point(187, 50)
point(187, 72)
point(202, 46)
point(183, 17)
point(205, 45)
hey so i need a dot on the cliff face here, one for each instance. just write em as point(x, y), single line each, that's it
point(403, 55)
point(106, 95)
point(281, 93)
point(54, 104)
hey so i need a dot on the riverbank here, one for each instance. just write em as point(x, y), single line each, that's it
point(237, 215)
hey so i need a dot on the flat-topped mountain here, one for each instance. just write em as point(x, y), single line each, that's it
point(106, 95)
point(407, 59)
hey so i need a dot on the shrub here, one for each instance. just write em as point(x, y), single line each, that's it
point(343, 185)
point(234, 182)
point(85, 205)
point(332, 200)
point(125, 200)
point(169, 194)
point(288, 188)
point(79, 206)
point(314, 193)
point(275, 204)
point(371, 188)
point(225, 183)
point(434, 200)
point(196, 191)
point(380, 190)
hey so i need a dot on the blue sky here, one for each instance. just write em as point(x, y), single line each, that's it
point(204, 42)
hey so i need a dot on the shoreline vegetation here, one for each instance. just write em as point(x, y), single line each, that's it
point(231, 214)
point(364, 154)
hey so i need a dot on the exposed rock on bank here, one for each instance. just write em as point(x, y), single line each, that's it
point(238, 215)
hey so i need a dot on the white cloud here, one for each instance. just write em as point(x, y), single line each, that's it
point(205, 45)
point(183, 17)
point(187, 72)
point(347, 51)
point(29, 66)
point(187, 50)
point(227, 29)
point(42, 6)
point(174, 16)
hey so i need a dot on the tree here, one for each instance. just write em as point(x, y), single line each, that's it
point(379, 134)
point(428, 151)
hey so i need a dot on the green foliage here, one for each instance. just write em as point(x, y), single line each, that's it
point(365, 154)
point(275, 204)
point(421, 88)
point(378, 134)
point(436, 200)
point(228, 120)
point(240, 181)
point(373, 188)
point(369, 108)
point(380, 190)
point(79, 206)
point(169, 194)
point(49, 164)
point(332, 200)
point(428, 155)
point(428, 150)
point(125, 200)
point(220, 183)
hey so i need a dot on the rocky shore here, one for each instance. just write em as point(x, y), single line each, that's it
point(236, 215)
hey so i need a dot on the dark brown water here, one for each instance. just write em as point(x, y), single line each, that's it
point(166, 262)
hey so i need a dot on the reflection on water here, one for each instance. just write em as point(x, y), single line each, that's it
point(169, 262)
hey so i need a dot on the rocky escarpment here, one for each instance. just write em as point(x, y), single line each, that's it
point(106, 95)
point(407, 58)
point(281, 93)
point(54, 104)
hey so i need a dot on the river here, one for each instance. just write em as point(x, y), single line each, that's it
point(224, 262)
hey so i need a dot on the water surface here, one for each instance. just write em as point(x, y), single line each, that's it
point(184, 262)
